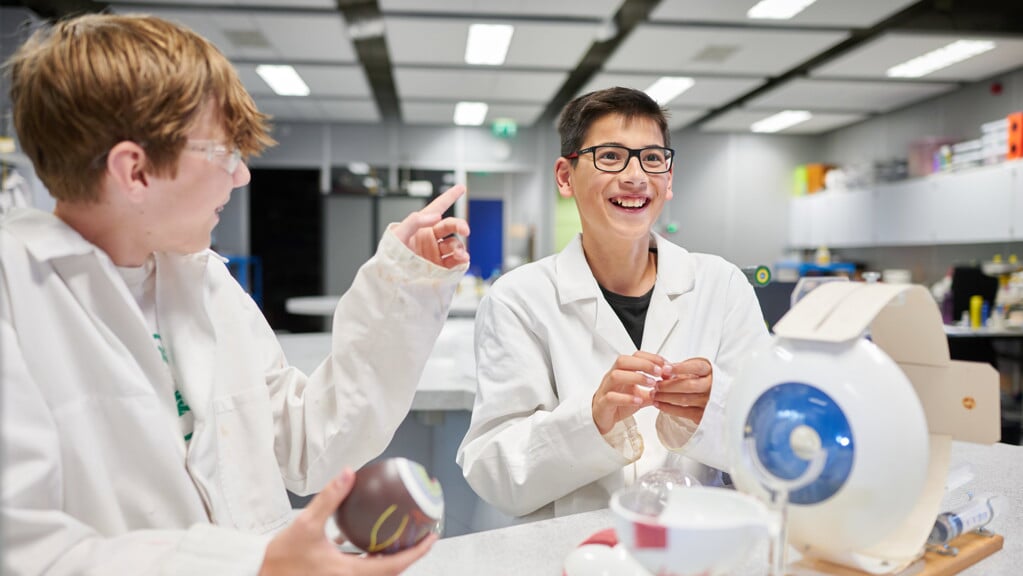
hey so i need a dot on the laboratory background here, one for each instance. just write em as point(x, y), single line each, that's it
point(877, 140)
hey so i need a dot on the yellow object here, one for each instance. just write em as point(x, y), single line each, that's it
point(823, 256)
point(976, 304)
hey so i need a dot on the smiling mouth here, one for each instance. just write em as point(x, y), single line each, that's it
point(634, 203)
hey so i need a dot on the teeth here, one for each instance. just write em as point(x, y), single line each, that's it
point(629, 202)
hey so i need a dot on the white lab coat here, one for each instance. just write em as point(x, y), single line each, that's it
point(545, 337)
point(96, 476)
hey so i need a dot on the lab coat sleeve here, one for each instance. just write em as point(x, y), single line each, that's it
point(525, 447)
point(39, 537)
point(346, 412)
point(743, 330)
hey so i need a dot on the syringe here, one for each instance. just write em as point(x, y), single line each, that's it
point(975, 514)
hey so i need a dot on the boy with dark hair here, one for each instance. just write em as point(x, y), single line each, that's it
point(594, 363)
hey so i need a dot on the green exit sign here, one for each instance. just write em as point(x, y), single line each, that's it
point(504, 128)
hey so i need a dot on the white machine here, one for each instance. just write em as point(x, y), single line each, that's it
point(844, 423)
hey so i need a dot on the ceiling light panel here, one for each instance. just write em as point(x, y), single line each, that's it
point(557, 46)
point(470, 113)
point(282, 79)
point(780, 121)
point(674, 50)
point(667, 88)
point(706, 92)
point(739, 120)
point(943, 57)
point(873, 59)
point(597, 9)
point(777, 9)
point(323, 80)
point(832, 13)
point(441, 113)
point(846, 96)
point(487, 44)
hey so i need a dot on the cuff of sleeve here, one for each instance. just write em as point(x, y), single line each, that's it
point(582, 435)
point(209, 549)
point(624, 437)
point(704, 442)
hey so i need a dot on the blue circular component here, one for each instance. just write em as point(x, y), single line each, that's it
point(783, 408)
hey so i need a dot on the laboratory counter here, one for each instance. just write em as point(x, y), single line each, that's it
point(449, 378)
point(539, 548)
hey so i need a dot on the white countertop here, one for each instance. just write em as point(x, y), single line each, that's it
point(325, 305)
point(540, 548)
point(449, 378)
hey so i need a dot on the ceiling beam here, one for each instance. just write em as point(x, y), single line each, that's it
point(629, 15)
point(366, 29)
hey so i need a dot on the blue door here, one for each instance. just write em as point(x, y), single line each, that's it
point(486, 242)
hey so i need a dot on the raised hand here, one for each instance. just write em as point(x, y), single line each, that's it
point(434, 239)
point(626, 388)
point(303, 548)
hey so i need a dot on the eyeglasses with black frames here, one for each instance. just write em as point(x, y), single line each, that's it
point(613, 158)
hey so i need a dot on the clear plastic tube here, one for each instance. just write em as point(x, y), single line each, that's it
point(975, 514)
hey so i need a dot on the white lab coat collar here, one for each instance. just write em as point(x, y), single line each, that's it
point(676, 275)
point(94, 281)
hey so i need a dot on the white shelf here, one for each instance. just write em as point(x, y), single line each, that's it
point(983, 204)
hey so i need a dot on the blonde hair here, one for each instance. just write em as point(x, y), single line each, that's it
point(85, 84)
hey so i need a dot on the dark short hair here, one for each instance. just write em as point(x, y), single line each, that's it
point(581, 113)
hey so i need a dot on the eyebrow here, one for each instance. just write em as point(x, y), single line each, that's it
point(624, 146)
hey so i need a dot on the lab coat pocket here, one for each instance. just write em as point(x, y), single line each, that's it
point(250, 478)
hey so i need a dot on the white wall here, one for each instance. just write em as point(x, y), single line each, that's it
point(731, 193)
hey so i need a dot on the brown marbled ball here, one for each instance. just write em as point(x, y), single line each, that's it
point(393, 505)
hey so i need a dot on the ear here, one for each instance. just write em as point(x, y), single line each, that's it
point(563, 176)
point(671, 177)
point(126, 164)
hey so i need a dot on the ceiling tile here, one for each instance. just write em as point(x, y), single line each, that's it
point(596, 9)
point(350, 110)
point(314, 110)
point(840, 13)
point(323, 80)
point(679, 118)
point(682, 50)
point(477, 84)
point(846, 96)
point(705, 92)
point(270, 36)
point(533, 44)
point(307, 37)
point(873, 59)
point(740, 120)
point(444, 112)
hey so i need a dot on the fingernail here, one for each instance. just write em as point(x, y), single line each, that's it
point(637, 400)
point(657, 370)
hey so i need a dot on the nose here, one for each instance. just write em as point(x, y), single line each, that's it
point(633, 171)
point(242, 175)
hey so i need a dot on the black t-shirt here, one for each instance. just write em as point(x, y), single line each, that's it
point(631, 310)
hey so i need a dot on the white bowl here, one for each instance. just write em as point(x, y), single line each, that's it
point(701, 531)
